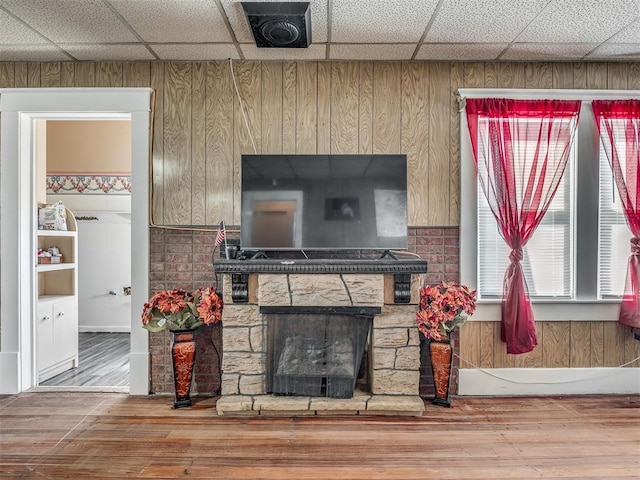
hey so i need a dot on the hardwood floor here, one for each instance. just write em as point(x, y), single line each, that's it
point(103, 362)
point(99, 436)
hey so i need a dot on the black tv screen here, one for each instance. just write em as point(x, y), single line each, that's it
point(313, 202)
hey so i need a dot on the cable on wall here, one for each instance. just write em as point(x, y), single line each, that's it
point(519, 382)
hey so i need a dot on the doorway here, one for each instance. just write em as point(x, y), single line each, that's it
point(20, 109)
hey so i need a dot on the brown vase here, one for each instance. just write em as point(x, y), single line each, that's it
point(441, 354)
point(183, 355)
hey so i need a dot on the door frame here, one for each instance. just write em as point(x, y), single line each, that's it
point(19, 109)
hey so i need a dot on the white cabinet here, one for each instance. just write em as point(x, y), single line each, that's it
point(57, 312)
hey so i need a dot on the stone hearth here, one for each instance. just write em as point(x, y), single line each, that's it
point(394, 356)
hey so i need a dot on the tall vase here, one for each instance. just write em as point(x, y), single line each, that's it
point(441, 354)
point(183, 355)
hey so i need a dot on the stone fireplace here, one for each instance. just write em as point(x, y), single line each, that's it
point(383, 291)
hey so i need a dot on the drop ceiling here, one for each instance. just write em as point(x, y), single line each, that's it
point(148, 30)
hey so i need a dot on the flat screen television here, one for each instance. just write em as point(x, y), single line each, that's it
point(320, 202)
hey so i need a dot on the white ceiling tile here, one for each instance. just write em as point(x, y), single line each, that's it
point(14, 32)
point(32, 53)
point(630, 34)
point(174, 20)
point(585, 21)
point(547, 51)
point(219, 51)
point(238, 20)
point(315, 51)
point(460, 51)
point(385, 51)
point(109, 52)
point(480, 21)
point(71, 21)
point(616, 51)
point(378, 21)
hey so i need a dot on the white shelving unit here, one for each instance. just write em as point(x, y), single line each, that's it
point(57, 311)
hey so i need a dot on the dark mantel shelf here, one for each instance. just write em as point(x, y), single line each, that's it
point(364, 266)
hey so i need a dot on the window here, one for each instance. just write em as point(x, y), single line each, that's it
point(575, 262)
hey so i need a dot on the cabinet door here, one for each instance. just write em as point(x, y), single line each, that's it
point(44, 337)
point(65, 330)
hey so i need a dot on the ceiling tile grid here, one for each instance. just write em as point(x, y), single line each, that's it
point(14, 32)
point(313, 52)
point(108, 53)
point(460, 51)
point(387, 51)
point(547, 51)
point(33, 53)
point(193, 52)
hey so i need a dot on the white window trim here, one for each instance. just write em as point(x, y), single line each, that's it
point(543, 309)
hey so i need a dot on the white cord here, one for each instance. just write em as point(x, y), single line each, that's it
point(491, 374)
point(244, 114)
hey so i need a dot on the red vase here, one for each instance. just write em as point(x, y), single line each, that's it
point(441, 354)
point(183, 355)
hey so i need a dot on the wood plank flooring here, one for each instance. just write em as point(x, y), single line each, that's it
point(103, 362)
point(100, 436)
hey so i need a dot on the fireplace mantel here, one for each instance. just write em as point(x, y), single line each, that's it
point(388, 290)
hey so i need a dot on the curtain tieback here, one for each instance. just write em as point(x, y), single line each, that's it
point(635, 246)
point(516, 255)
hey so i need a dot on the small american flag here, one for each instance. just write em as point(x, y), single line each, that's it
point(220, 236)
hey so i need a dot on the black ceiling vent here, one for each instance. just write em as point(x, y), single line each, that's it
point(279, 24)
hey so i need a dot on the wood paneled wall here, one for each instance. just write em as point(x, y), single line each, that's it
point(337, 107)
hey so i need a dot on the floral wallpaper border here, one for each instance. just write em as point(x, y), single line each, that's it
point(89, 184)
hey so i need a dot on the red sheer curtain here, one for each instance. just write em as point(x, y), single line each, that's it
point(521, 149)
point(619, 126)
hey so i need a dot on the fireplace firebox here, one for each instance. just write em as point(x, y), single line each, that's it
point(318, 353)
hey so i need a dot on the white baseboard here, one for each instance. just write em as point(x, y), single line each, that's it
point(103, 329)
point(548, 381)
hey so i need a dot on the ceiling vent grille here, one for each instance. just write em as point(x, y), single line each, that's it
point(279, 24)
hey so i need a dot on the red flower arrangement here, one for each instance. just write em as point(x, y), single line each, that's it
point(179, 310)
point(442, 307)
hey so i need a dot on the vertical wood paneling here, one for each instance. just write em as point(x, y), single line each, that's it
point(437, 191)
point(108, 74)
point(501, 359)
point(579, 75)
point(289, 98)
point(307, 107)
point(219, 132)
point(470, 336)
point(272, 107)
point(21, 75)
point(562, 75)
point(631, 347)
point(473, 74)
point(344, 107)
point(247, 133)
point(580, 345)
point(33, 75)
point(7, 75)
point(324, 107)
point(68, 75)
point(50, 74)
point(511, 75)
point(415, 137)
point(490, 75)
point(613, 344)
point(198, 144)
point(597, 344)
point(538, 75)
point(85, 74)
point(617, 76)
point(634, 76)
point(596, 75)
point(387, 102)
point(136, 74)
point(177, 143)
point(555, 338)
point(457, 79)
point(486, 344)
point(365, 110)
point(157, 83)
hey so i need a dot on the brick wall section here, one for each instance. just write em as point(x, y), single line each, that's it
point(182, 259)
